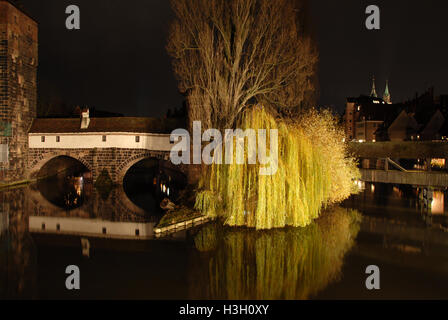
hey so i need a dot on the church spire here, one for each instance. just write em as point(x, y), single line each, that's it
point(373, 93)
point(386, 97)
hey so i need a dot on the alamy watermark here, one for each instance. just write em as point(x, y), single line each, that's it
point(222, 150)
point(73, 21)
point(373, 280)
point(373, 19)
point(73, 281)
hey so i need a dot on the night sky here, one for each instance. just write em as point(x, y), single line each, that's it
point(118, 62)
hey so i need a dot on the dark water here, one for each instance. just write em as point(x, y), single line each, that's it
point(46, 227)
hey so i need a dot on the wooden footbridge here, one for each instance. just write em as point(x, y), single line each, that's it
point(379, 162)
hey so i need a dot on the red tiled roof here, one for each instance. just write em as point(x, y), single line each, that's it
point(132, 125)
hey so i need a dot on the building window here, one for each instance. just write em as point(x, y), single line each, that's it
point(104, 231)
point(137, 139)
point(104, 138)
point(58, 139)
point(42, 139)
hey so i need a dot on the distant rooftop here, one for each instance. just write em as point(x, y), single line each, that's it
point(115, 125)
point(365, 99)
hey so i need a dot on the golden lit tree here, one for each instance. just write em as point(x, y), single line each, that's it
point(313, 172)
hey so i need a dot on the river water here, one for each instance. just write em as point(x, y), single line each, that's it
point(109, 235)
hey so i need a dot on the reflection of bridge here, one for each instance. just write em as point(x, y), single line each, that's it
point(115, 217)
point(378, 166)
point(111, 144)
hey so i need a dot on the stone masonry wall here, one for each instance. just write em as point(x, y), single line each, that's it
point(18, 87)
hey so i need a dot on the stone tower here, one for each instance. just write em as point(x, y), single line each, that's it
point(18, 88)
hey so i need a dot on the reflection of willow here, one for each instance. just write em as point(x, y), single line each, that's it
point(17, 259)
point(277, 264)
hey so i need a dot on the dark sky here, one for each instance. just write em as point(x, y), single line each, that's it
point(117, 61)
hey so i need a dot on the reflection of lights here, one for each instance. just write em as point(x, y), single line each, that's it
point(164, 189)
point(438, 205)
point(440, 163)
point(372, 188)
point(360, 184)
point(79, 185)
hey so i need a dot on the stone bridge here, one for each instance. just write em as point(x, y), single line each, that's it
point(115, 161)
point(111, 144)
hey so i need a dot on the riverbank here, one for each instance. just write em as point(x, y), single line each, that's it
point(179, 226)
point(178, 218)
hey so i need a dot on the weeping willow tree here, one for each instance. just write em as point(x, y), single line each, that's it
point(293, 263)
point(231, 56)
point(313, 172)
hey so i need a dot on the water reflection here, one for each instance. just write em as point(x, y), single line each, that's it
point(77, 208)
point(277, 264)
point(438, 203)
point(111, 238)
point(41, 234)
point(65, 192)
point(18, 262)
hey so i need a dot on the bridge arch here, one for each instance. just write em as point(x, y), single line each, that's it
point(129, 162)
point(37, 162)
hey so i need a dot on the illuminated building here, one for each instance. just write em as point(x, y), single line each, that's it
point(365, 114)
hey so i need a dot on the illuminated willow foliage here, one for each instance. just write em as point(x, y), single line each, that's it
point(292, 263)
point(313, 172)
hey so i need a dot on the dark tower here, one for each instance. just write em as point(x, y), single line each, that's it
point(18, 88)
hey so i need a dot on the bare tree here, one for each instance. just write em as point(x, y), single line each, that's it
point(232, 54)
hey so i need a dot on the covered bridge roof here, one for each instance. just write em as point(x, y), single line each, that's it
point(120, 124)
